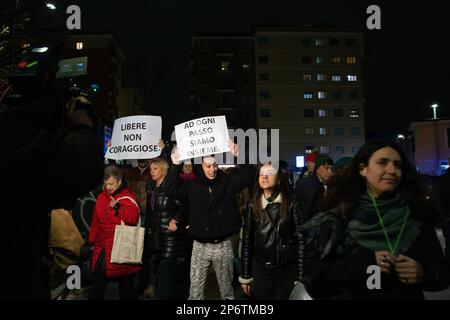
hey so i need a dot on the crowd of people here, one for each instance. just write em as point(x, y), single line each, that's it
point(261, 232)
point(340, 218)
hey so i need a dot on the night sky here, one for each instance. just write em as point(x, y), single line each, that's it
point(406, 66)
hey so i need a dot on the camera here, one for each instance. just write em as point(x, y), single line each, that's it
point(37, 88)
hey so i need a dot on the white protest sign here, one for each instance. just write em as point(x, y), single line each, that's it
point(203, 136)
point(135, 137)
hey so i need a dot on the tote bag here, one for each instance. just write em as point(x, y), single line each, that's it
point(128, 242)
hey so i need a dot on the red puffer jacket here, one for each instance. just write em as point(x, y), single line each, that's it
point(103, 226)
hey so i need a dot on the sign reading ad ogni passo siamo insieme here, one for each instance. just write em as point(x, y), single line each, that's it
point(135, 137)
point(203, 136)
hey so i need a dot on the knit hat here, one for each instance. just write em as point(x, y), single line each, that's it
point(342, 163)
point(322, 159)
point(311, 157)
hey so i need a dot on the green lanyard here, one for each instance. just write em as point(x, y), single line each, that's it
point(394, 249)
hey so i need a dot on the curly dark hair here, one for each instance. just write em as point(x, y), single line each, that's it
point(345, 188)
point(281, 187)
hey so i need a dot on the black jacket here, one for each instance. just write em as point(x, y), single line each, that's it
point(211, 214)
point(270, 240)
point(160, 211)
point(59, 169)
point(306, 192)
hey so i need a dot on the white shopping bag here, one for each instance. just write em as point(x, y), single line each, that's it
point(128, 242)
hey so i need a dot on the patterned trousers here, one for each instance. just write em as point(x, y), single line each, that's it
point(221, 256)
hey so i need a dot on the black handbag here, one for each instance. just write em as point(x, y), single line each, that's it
point(86, 264)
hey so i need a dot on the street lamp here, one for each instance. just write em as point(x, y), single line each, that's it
point(51, 6)
point(401, 137)
point(434, 106)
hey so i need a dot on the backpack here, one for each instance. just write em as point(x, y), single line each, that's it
point(321, 238)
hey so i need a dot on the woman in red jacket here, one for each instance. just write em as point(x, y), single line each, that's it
point(114, 204)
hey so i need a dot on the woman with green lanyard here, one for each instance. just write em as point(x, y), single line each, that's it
point(389, 248)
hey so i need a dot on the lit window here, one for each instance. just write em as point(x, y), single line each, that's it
point(224, 66)
point(323, 131)
point(309, 131)
point(335, 77)
point(307, 77)
point(321, 77)
point(324, 149)
point(335, 59)
point(354, 113)
point(319, 42)
point(322, 95)
point(323, 113)
point(351, 60)
point(309, 149)
point(307, 95)
point(79, 45)
point(319, 60)
point(352, 78)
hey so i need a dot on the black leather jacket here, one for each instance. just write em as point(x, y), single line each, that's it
point(269, 240)
point(160, 211)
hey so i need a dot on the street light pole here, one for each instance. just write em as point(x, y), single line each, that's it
point(434, 106)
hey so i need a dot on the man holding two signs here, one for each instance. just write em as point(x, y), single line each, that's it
point(213, 211)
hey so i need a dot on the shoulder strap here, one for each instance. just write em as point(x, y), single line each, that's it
point(129, 198)
point(132, 200)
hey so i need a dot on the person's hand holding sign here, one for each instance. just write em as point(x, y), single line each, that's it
point(233, 148)
point(175, 156)
point(161, 144)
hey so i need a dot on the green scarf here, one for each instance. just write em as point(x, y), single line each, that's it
point(365, 228)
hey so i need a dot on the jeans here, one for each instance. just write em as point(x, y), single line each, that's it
point(166, 277)
point(273, 284)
